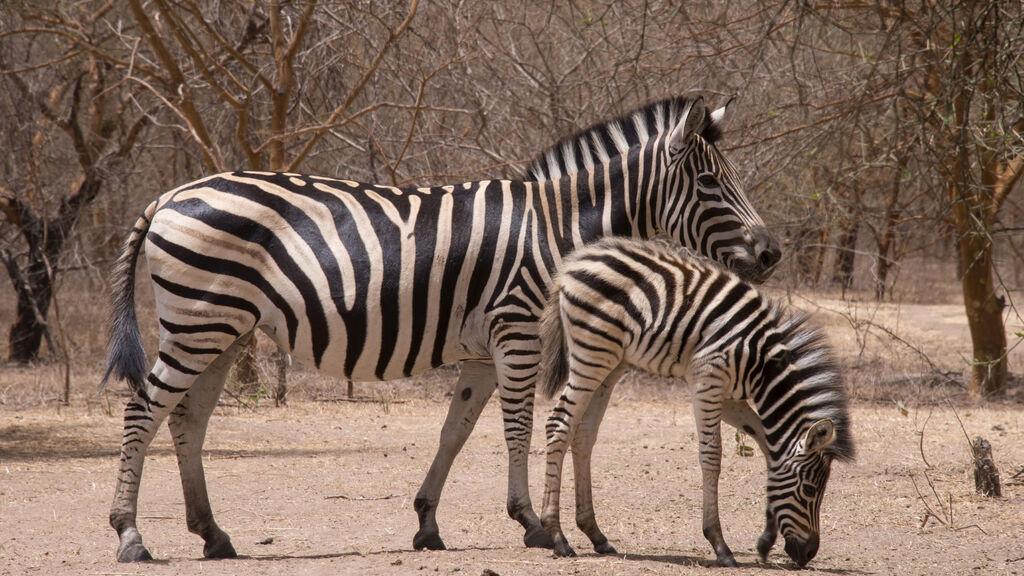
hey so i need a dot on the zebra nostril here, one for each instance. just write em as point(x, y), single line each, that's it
point(765, 247)
point(769, 257)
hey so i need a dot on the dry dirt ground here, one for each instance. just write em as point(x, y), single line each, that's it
point(326, 487)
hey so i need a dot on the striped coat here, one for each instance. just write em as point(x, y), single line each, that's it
point(619, 303)
point(372, 282)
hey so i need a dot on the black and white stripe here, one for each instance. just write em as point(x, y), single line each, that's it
point(372, 282)
point(619, 303)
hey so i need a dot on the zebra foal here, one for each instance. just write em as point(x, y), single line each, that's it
point(372, 282)
point(620, 303)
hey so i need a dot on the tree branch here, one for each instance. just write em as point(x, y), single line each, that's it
point(176, 82)
point(393, 36)
point(1006, 180)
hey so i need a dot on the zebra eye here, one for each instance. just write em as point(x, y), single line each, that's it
point(809, 490)
point(708, 181)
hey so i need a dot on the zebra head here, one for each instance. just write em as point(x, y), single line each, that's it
point(796, 488)
point(806, 424)
point(702, 204)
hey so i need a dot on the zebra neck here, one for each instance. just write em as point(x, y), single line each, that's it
point(609, 199)
point(790, 405)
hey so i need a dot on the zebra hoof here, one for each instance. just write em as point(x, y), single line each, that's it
point(134, 553)
point(605, 548)
point(220, 549)
point(427, 540)
point(538, 538)
point(764, 545)
point(562, 548)
point(727, 561)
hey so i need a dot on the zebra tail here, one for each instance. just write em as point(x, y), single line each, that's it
point(127, 357)
point(554, 372)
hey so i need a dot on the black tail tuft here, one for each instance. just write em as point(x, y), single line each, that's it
point(127, 359)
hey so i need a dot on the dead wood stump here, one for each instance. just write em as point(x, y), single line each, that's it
point(986, 475)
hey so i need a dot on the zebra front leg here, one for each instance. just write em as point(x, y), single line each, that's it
point(477, 381)
point(188, 423)
point(708, 415)
point(582, 449)
point(767, 538)
point(739, 414)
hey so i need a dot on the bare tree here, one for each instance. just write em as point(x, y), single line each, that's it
point(969, 94)
point(64, 97)
point(861, 129)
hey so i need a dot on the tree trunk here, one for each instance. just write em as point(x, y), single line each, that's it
point(808, 242)
point(281, 391)
point(842, 274)
point(34, 282)
point(34, 289)
point(885, 243)
point(882, 258)
point(984, 317)
point(246, 373)
point(986, 475)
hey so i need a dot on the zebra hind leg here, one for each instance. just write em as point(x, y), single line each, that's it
point(574, 421)
point(188, 423)
point(165, 387)
point(142, 417)
point(559, 431)
point(517, 410)
point(476, 384)
point(582, 449)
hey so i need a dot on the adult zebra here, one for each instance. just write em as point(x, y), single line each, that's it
point(619, 303)
point(372, 282)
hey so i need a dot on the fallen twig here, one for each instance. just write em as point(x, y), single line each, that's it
point(359, 399)
point(982, 530)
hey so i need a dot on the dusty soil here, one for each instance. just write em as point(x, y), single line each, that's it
point(326, 487)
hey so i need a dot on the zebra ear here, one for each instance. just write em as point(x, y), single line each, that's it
point(687, 127)
point(712, 132)
point(819, 436)
point(717, 116)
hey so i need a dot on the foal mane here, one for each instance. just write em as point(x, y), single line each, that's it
point(818, 374)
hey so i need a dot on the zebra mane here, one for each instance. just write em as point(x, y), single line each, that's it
point(611, 138)
point(818, 373)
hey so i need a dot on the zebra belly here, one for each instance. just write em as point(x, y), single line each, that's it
point(371, 351)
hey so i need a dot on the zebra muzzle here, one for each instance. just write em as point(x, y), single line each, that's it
point(802, 551)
